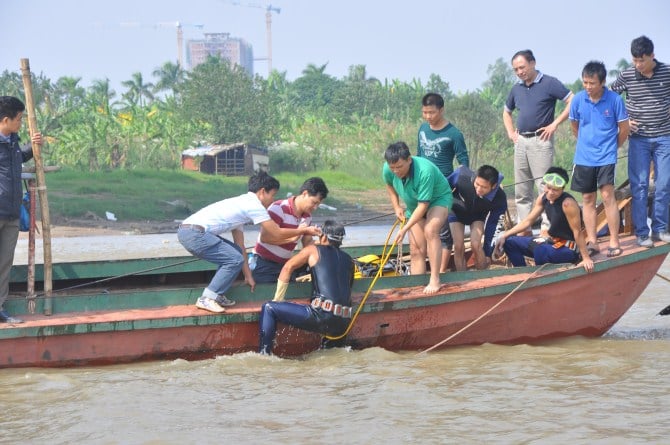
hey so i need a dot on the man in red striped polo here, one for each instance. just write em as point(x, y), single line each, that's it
point(271, 252)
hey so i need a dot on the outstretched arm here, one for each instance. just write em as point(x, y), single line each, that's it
point(271, 233)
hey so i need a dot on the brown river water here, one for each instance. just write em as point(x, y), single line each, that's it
point(610, 390)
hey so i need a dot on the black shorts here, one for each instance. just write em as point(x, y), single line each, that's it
point(445, 236)
point(590, 179)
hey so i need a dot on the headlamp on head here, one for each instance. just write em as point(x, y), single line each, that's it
point(334, 232)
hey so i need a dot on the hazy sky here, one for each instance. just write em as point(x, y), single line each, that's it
point(395, 39)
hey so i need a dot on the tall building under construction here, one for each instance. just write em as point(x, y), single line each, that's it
point(221, 45)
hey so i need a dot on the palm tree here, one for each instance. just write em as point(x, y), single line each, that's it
point(358, 73)
point(312, 70)
point(101, 94)
point(170, 77)
point(621, 65)
point(138, 90)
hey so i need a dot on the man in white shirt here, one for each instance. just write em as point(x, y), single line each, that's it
point(199, 234)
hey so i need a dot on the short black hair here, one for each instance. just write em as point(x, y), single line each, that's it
point(10, 107)
point(433, 99)
point(560, 172)
point(488, 173)
point(262, 180)
point(334, 231)
point(396, 151)
point(642, 46)
point(315, 187)
point(526, 54)
point(595, 68)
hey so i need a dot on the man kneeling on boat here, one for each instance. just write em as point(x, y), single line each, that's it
point(200, 235)
point(565, 242)
point(329, 311)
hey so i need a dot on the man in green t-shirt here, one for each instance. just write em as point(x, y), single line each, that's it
point(427, 197)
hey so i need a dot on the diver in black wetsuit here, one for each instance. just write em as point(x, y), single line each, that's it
point(332, 276)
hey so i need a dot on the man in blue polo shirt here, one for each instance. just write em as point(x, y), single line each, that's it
point(535, 98)
point(599, 121)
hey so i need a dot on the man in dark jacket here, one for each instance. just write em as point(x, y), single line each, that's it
point(12, 156)
point(479, 202)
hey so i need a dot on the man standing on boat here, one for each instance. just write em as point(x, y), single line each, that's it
point(647, 88)
point(200, 235)
point(441, 142)
point(600, 123)
point(271, 253)
point(566, 240)
point(12, 156)
point(427, 197)
point(329, 311)
point(535, 96)
point(479, 202)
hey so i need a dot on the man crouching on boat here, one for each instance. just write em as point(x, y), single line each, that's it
point(566, 240)
point(199, 234)
point(332, 276)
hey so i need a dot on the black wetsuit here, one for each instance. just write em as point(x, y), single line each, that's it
point(332, 277)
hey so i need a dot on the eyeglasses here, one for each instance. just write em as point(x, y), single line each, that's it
point(554, 179)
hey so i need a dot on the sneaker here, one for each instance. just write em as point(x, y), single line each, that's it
point(663, 236)
point(6, 318)
point(209, 305)
point(223, 301)
point(644, 241)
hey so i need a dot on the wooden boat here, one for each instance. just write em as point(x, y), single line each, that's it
point(147, 312)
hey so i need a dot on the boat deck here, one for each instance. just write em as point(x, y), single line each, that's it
point(163, 302)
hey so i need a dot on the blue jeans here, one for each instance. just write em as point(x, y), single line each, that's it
point(225, 254)
point(516, 247)
point(641, 151)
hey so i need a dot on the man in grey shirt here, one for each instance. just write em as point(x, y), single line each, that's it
point(535, 97)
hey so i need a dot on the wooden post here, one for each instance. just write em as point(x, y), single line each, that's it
point(31, 247)
point(41, 186)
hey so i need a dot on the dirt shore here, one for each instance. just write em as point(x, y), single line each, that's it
point(375, 211)
point(71, 227)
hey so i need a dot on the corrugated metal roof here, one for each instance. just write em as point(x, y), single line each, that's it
point(210, 150)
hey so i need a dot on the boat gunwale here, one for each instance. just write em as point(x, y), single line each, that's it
point(247, 311)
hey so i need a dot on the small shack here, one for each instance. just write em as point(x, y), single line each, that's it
point(230, 160)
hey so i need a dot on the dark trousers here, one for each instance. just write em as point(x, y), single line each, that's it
point(301, 316)
point(516, 247)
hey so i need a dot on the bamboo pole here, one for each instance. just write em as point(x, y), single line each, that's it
point(31, 247)
point(41, 186)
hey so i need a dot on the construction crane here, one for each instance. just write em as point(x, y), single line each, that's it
point(180, 34)
point(269, 9)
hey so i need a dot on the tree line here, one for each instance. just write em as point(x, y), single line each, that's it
point(315, 122)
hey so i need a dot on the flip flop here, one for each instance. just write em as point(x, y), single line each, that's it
point(614, 251)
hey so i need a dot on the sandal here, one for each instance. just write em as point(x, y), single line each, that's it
point(614, 251)
point(593, 249)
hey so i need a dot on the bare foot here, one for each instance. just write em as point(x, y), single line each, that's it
point(431, 288)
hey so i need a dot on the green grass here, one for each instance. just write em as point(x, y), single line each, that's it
point(165, 195)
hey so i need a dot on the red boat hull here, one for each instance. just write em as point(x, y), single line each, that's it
point(538, 305)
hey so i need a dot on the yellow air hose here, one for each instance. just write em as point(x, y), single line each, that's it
point(384, 258)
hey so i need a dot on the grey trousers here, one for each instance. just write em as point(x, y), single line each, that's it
point(9, 234)
point(532, 158)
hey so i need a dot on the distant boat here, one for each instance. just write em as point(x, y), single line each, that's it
point(151, 315)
